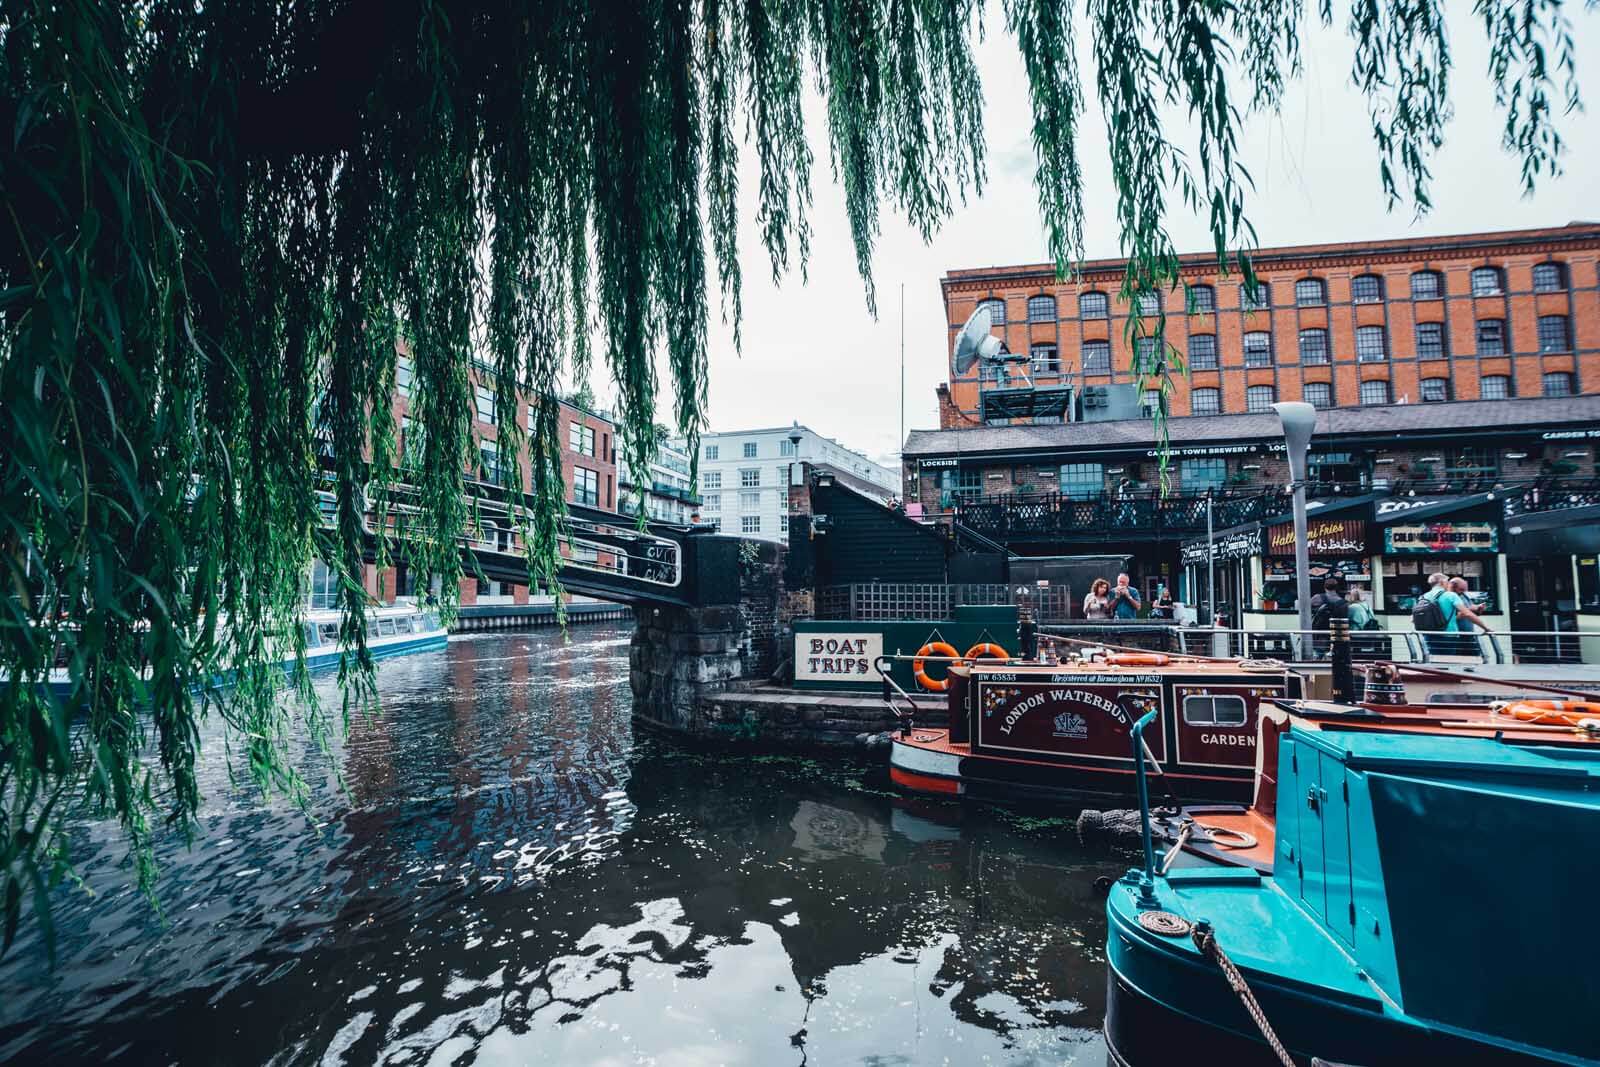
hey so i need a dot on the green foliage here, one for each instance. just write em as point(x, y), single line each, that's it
point(221, 220)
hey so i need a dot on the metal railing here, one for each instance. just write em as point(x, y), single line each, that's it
point(934, 601)
point(1021, 516)
point(1566, 647)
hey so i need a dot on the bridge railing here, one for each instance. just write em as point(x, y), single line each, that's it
point(621, 550)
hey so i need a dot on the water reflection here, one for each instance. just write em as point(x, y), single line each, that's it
point(514, 876)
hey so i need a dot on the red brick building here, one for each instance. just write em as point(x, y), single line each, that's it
point(588, 472)
point(1468, 317)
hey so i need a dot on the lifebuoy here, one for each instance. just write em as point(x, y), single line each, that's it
point(918, 668)
point(1559, 712)
point(1138, 659)
point(986, 650)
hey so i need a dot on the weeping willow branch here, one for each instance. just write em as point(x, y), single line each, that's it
point(220, 223)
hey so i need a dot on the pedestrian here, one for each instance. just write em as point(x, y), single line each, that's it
point(1097, 605)
point(1162, 608)
point(1437, 614)
point(1325, 607)
point(1361, 615)
point(1465, 610)
point(1125, 599)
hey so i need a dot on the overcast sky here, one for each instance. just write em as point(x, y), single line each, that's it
point(812, 352)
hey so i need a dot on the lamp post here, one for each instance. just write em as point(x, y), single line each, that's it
point(1299, 419)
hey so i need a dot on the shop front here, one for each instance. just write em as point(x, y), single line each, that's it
point(1460, 537)
point(1553, 563)
point(1224, 559)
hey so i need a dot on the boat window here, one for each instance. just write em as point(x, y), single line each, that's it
point(311, 635)
point(386, 627)
point(1213, 711)
point(403, 625)
point(433, 622)
point(372, 629)
point(329, 632)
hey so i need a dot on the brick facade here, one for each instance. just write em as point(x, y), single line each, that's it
point(1567, 289)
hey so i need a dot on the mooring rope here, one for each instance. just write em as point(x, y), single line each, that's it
point(1205, 939)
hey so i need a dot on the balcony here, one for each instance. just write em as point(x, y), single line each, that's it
point(1139, 514)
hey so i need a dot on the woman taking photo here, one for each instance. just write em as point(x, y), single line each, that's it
point(1097, 605)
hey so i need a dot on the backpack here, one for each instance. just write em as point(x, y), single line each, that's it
point(1320, 617)
point(1426, 614)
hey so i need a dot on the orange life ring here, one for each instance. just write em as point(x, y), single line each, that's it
point(932, 648)
point(1559, 712)
point(1138, 659)
point(986, 650)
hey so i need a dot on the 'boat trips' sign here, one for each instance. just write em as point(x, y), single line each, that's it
point(1439, 537)
point(1324, 537)
point(840, 656)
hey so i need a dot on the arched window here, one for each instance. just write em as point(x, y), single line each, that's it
point(1494, 387)
point(1558, 383)
point(1375, 391)
point(1202, 300)
point(1148, 301)
point(1430, 340)
point(1202, 351)
point(1318, 394)
point(1096, 357)
point(1366, 289)
point(1259, 398)
point(1313, 346)
point(1435, 390)
point(1553, 334)
point(1258, 298)
point(1369, 345)
point(1041, 308)
point(1491, 337)
point(997, 311)
point(1427, 285)
point(1205, 402)
point(1487, 281)
point(1151, 402)
point(1310, 292)
point(1548, 278)
point(1043, 359)
point(1258, 349)
point(1093, 305)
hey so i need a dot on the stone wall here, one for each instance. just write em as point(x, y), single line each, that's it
point(681, 656)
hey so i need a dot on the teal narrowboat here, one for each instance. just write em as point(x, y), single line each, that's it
point(1424, 898)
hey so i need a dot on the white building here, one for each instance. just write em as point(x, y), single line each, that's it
point(665, 489)
point(744, 476)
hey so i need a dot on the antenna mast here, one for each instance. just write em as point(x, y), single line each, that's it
point(902, 365)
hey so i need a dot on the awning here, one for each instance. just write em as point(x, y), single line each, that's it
point(1562, 531)
point(1316, 509)
point(1412, 508)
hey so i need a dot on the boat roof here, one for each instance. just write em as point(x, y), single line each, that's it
point(1431, 752)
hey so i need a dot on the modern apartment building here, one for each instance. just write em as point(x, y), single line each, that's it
point(662, 489)
point(1486, 316)
point(744, 476)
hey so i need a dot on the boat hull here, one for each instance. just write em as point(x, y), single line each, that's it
point(1142, 1030)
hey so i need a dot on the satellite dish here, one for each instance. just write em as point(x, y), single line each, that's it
point(975, 343)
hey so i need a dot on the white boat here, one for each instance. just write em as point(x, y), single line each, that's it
point(395, 630)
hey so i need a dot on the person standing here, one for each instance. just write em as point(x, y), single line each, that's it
point(1465, 611)
point(1325, 607)
point(1361, 616)
point(1097, 605)
point(1437, 616)
point(1125, 599)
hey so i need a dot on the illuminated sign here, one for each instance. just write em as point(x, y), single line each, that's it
point(1442, 537)
point(1324, 537)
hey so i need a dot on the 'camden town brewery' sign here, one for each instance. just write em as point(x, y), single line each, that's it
point(836, 657)
point(1324, 537)
point(1065, 714)
point(1441, 537)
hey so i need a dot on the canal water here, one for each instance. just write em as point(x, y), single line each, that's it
point(513, 873)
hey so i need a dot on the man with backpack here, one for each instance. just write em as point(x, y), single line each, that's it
point(1325, 607)
point(1440, 611)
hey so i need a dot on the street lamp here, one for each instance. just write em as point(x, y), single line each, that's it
point(1299, 419)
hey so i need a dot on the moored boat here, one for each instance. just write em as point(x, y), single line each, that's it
point(1028, 730)
point(395, 630)
point(1409, 890)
